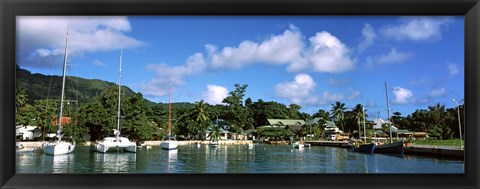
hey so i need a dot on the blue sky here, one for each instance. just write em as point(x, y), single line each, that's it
point(312, 61)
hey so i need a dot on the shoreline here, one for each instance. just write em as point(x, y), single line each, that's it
point(38, 144)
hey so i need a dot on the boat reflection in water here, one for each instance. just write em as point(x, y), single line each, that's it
point(169, 160)
point(59, 163)
point(115, 162)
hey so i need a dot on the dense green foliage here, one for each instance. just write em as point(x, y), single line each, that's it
point(94, 113)
point(38, 86)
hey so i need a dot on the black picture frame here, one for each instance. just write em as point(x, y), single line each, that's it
point(9, 9)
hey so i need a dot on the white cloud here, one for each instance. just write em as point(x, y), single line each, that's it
point(368, 36)
point(98, 63)
point(326, 54)
point(452, 69)
point(417, 28)
point(354, 95)
point(158, 86)
point(278, 49)
point(302, 91)
point(215, 94)
point(439, 92)
point(393, 56)
point(41, 39)
point(402, 95)
point(302, 87)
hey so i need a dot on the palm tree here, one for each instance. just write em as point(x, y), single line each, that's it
point(215, 134)
point(200, 115)
point(199, 112)
point(338, 112)
point(358, 115)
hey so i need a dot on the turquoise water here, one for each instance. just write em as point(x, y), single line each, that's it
point(232, 159)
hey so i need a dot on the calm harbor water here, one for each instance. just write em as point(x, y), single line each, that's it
point(232, 159)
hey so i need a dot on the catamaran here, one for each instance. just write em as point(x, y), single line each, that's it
point(117, 142)
point(59, 147)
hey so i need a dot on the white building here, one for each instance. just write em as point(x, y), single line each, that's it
point(28, 132)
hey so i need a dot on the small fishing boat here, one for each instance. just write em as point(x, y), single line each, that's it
point(391, 148)
point(365, 148)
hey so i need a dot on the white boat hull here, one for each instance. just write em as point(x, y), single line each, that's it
point(112, 144)
point(169, 145)
point(298, 145)
point(58, 148)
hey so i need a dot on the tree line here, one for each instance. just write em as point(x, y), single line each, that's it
point(143, 121)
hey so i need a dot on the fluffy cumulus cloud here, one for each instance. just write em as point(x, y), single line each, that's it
point(302, 91)
point(278, 49)
point(215, 94)
point(41, 39)
point(326, 54)
point(402, 95)
point(417, 28)
point(165, 74)
point(368, 37)
point(297, 90)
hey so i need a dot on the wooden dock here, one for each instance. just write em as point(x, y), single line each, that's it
point(449, 152)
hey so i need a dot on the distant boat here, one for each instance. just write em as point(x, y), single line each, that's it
point(60, 147)
point(117, 142)
point(169, 144)
point(365, 148)
point(298, 145)
point(391, 148)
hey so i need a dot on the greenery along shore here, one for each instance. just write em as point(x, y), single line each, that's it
point(92, 113)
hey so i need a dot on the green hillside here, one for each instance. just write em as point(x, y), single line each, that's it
point(39, 86)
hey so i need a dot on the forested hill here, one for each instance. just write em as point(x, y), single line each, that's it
point(39, 86)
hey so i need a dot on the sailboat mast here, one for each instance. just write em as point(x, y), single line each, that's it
point(388, 111)
point(119, 91)
point(63, 85)
point(364, 129)
point(169, 111)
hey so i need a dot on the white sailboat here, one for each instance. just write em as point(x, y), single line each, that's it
point(169, 144)
point(117, 142)
point(59, 147)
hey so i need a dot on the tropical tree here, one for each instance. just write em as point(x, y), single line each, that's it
point(337, 111)
point(294, 111)
point(20, 98)
point(199, 118)
point(358, 115)
point(135, 122)
point(236, 113)
point(215, 133)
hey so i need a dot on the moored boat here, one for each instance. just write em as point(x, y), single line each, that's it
point(169, 144)
point(117, 142)
point(391, 148)
point(60, 147)
point(298, 145)
point(365, 148)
